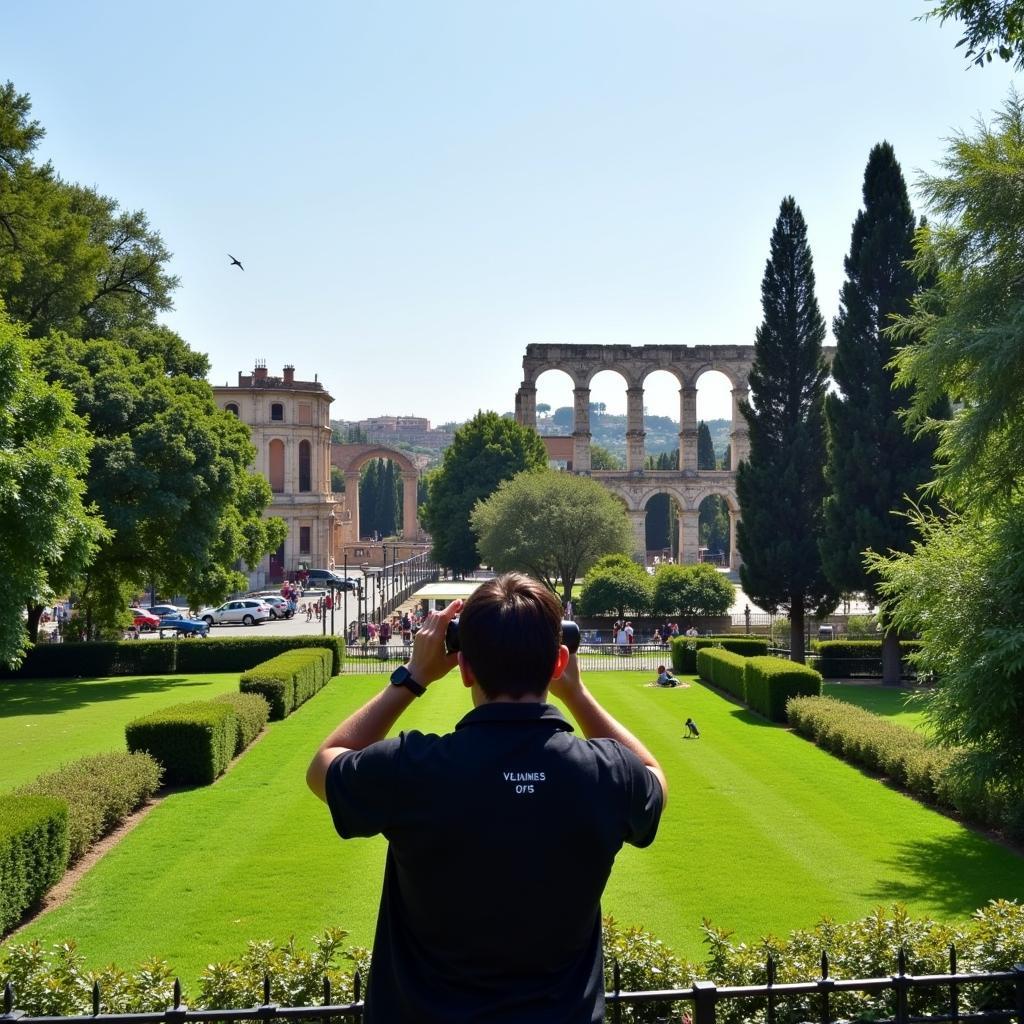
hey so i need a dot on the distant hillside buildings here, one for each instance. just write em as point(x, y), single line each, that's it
point(409, 430)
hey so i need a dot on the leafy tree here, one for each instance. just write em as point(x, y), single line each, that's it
point(727, 457)
point(713, 524)
point(169, 473)
point(992, 28)
point(483, 452)
point(616, 584)
point(48, 533)
point(70, 259)
point(874, 463)
point(543, 408)
point(781, 485)
point(337, 480)
point(705, 449)
point(553, 525)
point(962, 585)
point(691, 590)
point(602, 458)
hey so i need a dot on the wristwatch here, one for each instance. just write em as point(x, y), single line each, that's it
point(403, 677)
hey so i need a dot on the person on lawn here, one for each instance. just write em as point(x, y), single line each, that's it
point(501, 834)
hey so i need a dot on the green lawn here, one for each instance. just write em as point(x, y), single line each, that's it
point(906, 706)
point(44, 723)
point(764, 832)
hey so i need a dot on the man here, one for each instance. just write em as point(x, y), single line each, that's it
point(501, 834)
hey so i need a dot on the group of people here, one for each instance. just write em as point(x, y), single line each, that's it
point(405, 624)
point(624, 636)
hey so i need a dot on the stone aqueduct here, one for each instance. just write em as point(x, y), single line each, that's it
point(637, 485)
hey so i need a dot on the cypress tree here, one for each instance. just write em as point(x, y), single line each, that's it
point(782, 485)
point(705, 449)
point(873, 462)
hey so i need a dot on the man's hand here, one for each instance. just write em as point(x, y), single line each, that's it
point(429, 662)
point(569, 682)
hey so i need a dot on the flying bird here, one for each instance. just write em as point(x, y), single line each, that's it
point(235, 263)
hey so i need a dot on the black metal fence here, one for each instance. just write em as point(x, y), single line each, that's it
point(891, 1000)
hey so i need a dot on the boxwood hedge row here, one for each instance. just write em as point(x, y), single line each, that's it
point(165, 657)
point(100, 791)
point(288, 680)
point(251, 714)
point(839, 659)
point(769, 682)
point(33, 852)
point(723, 669)
point(684, 649)
point(193, 742)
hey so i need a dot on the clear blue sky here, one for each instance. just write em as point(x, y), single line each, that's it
point(420, 189)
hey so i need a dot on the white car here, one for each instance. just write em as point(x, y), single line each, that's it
point(248, 611)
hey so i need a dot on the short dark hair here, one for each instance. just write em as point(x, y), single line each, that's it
point(510, 630)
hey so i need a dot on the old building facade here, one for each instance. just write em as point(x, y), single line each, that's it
point(289, 421)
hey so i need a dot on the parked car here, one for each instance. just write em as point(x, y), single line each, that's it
point(248, 611)
point(184, 626)
point(279, 608)
point(160, 610)
point(143, 620)
point(329, 578)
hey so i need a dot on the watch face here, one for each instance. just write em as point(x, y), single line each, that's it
point(399, 676)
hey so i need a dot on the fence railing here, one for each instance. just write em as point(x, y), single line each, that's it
point(771, 1002)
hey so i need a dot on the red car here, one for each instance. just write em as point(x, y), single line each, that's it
point(144, 620)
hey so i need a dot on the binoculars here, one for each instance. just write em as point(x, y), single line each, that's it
point(570, 636)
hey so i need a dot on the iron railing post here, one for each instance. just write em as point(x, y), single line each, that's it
point(10, 1013)
point(705, 1002)
point(1018, 988)
point(616, 988)
point(899, 983)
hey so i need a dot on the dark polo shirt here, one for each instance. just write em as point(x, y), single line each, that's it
point(501, 838)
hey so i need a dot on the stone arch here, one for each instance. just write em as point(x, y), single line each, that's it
point(350, 458)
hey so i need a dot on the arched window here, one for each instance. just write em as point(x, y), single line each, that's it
point(277, 466)
point(305, 466)
point(232, 408)
point(277, 411)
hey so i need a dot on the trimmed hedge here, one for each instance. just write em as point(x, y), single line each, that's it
point(100, 792)
point(164, 657)
point(685, 648)
point(288, 680)
point(723, 669)
point(251, 712)
point(770, 682)
point(843, 658)
point(871, 741)
point(194, 742)
point(33, 852)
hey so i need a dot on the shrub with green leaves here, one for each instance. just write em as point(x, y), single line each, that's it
point(193, 742)
point(33, 852)
point(288, 680)
point(645, 964)
point(100, 792)
point(251, 714)
point(769, 682)
point(684, 649)
point(164, 657)
point(723, 669)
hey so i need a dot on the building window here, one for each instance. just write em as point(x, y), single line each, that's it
point(304, 532)
point(305, 466)
point(277, 466)
point(277, 411)
point(232, 408)
point(305, 413)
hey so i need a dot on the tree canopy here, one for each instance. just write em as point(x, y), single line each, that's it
point(48, 533)
point(618, 585)
point(781, 485)
point(691, 590)
point(484, 451)
point(992, 28)
point(553, 525)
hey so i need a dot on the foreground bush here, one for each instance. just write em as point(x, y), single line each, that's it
point(289, 680)
point(723, 669)
point(685, 648)
point(193, 742)
point(100, 792)
point(53, 981)
point(251, 714)
point(33, 852)
point(164, 657)
point(769, 682)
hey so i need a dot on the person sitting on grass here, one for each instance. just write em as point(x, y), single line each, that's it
point(665, 678)
point(692, 732)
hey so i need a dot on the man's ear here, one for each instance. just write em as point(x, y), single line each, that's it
point(561, 662)
point(468, 679)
